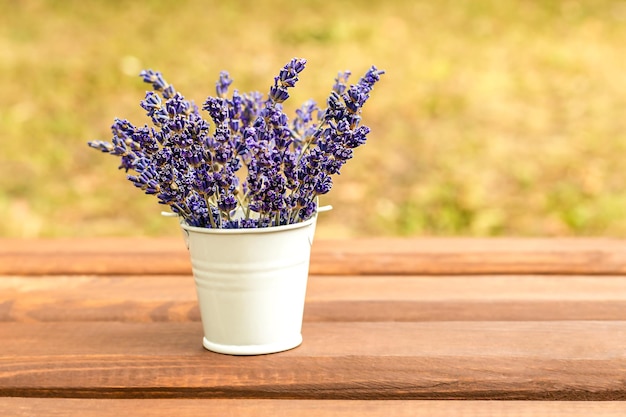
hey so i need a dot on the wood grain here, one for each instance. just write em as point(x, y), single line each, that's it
point(434, 256)
point(133, 256)
point(329, 298)
point(63, 407)
point(572, 360)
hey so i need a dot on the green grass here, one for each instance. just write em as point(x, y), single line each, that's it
point(494, 117)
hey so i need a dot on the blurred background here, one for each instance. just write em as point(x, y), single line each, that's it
point(494, 117)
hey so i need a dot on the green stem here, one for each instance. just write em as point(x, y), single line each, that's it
point(211, 220)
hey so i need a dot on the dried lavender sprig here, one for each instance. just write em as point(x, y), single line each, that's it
point(328, 149)
point(270, 172)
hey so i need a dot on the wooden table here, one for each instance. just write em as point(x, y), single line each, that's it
point(402, 327)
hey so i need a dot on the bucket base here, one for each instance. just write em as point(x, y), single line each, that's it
point(253, 349)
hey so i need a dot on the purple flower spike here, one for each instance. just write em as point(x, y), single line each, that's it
point(287, 78)
point(371, 77)
point(278, 94)
point(227, 203)
point(340, 82)
point(155, 78)
point(221, 86)
point(158, 82)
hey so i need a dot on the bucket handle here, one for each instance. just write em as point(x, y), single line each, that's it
point(324, 209)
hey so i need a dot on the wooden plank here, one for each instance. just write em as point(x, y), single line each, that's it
point(436, 256)
point(438, 360)
point(464, 256)
point(329, 298)
point(98, 298)
point(62, 407)
point(94, 256)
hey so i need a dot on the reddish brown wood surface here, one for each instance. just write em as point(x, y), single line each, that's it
point(63, 407)
point(329, 298)
point(442, 360)
point(104, 324)
point(358, 257)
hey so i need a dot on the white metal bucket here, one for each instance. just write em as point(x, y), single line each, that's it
point(251, 285)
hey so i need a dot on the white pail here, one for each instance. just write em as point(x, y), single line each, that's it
point(251, 285)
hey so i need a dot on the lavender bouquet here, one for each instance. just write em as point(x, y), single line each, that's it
point(254, 168)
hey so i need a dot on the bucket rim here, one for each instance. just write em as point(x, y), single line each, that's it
point(249, 231)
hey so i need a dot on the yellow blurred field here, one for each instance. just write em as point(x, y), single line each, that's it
point(494, 117)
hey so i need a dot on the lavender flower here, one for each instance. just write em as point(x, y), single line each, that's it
point(253, 168)
point(340, 82)
point(221, 86)
point(287, 78)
